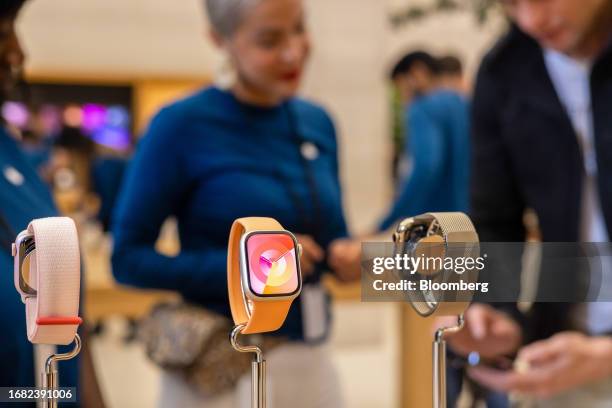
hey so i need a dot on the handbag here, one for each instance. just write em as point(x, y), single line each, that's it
point(193, 342)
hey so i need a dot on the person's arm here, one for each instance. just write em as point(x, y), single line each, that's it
point(496, 204)
point(342, 253)
point(338, 228)
point(427, 147)
point(155, 188)
point(553, 366)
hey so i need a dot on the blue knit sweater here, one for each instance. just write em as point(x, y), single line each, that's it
point(209, 159)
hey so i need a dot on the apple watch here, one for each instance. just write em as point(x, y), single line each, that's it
point(263, 273)
point(439, 235)
point(47, 275)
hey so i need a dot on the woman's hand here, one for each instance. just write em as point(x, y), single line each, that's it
point(545, 368)
point(312, 254)
point(345, 259)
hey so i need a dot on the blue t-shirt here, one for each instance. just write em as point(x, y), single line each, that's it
point(439, 145)
point(208, 160)
point(23, 197)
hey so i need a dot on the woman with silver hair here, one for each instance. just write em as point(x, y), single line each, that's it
point(251, 148)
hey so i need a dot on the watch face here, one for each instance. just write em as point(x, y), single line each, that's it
point(272, 264)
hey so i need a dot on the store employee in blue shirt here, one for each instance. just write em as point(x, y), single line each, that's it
point(23, 197)
point(253, 149)
point(437, 120)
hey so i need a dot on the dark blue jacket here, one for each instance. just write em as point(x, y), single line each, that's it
point(526, 155)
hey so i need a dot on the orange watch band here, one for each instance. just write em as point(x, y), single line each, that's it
point(259, 316)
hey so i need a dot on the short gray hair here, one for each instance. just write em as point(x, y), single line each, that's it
point(225, 16)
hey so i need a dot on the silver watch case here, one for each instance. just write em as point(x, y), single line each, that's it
point(244, 271)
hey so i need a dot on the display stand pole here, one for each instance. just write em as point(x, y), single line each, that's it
point(258, 368)
point(50, 376)
point(439, 363)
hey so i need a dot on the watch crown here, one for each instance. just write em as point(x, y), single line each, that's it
point(299, 250)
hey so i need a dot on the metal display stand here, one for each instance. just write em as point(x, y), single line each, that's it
point(442, 230)
point(258, 368)
point(439, 362)
point(50, 374)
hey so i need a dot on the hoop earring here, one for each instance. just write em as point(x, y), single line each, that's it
point(225, 73)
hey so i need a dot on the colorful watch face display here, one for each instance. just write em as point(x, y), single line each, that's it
point(272, 264)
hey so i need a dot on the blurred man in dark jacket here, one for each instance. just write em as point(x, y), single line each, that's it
point(542, 139)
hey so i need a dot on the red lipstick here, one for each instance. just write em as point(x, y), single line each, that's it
point(291, 76)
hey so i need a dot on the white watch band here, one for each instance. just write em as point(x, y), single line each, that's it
point(50, 287)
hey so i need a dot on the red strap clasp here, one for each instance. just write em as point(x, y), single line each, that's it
point(58, 321)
